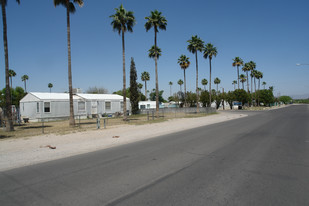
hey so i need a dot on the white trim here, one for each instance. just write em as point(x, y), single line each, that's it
point(38, 107)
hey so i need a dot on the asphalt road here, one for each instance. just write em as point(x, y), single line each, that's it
point(262, 159)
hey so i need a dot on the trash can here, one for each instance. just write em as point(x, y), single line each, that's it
point(239, 107)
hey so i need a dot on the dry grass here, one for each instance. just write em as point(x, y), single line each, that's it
point(62, 127)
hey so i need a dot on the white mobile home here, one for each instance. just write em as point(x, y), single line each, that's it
point(104, 103)
point(37, 105)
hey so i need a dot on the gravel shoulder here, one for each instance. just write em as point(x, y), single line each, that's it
point(32, 150)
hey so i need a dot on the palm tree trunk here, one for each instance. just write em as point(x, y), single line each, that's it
point(238, 75)
point(217, 87)
point(11, 79)
point(9, 123)
point(185, 95)
point(251, 88)
point(25, 87)
point(255, 90)
point(247, 82)
point(72, 120)
point(146, 90)
point(210, 82)
point(197, 96)
point(157, 81)
point(124, 90)
point(259, 93)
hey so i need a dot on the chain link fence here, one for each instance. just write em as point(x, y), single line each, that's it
point(60, 125)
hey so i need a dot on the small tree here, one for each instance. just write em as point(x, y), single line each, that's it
point(97, 90)
point(267, 97)
point(230, 98)
point(134, 94)
point(218, 99)
point(285, 99)
point(242, 96)
point(152, 96)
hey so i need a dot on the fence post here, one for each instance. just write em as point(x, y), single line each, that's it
point(152, 114)
point(79, 121)
point(147, 115)
point(104, 123)
point(98, 122)
point(42, 125)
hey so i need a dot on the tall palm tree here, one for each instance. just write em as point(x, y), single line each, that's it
point(196, 44)
point(237, 62)
point(204, 83)
point(156, 21)
point(234, 83)
point(259, 76)
point(210, 52)
point(243, 79)
point(123, 21)
point(12, 74)
point(254, 75)
point(70, 8)
point(184, 63)
point(252, 66)
point(50, 85)
point(180, 82)
point(8, 99)
point(145, 77)
point(24, 78)
point(217, 81)
point(246, 68)
point(264, 84)
point(170, 83)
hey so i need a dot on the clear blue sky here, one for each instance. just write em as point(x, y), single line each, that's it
point(273, 33)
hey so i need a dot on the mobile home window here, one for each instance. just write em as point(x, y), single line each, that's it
point(46, 107)
point(121, 105)
point(107, 105)
point(81, 106)
point(143, 107)
point(37, 107)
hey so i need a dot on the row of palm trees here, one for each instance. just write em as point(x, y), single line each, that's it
point(254, 74)
point(123, 21)
point(195, 45)
point(24, 79)
point(70, 8)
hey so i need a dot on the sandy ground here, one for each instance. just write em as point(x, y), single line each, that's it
point(32, 150)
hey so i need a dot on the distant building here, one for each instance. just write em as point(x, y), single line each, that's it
point(148, 105)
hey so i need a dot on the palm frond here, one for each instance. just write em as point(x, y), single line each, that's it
point(154, 51)
point(79, 2)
